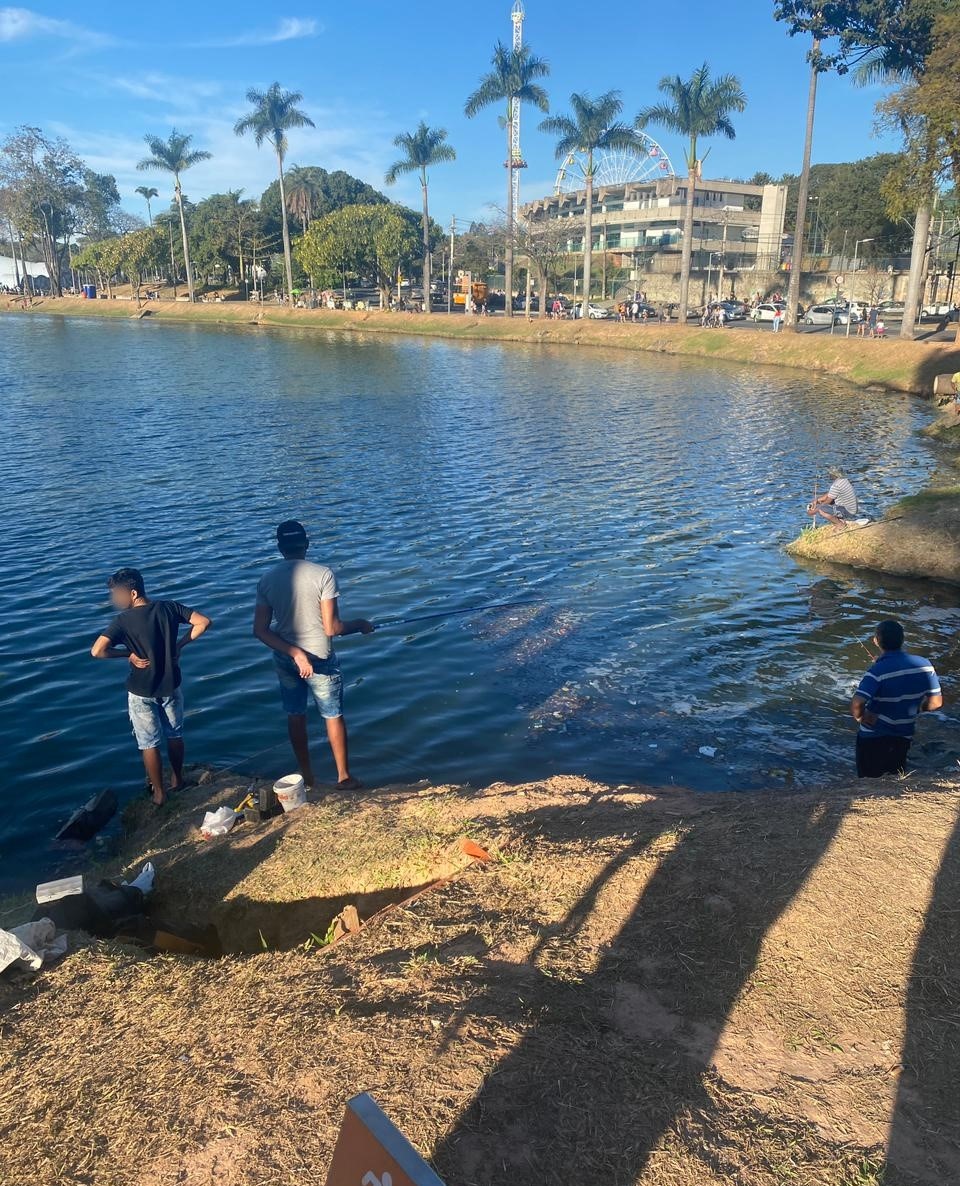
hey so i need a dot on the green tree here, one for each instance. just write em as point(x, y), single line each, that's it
point(174, 156)
point(138, 253)
point(422, 149)
point(512, 81)
point(696, 108)
point(220, 229)
point(148, 192)
point(592, 127)
point(851, 205)
point(359, 241)
point(926, 111)
point(328, 192)
point(894, 36)
point(275, 112)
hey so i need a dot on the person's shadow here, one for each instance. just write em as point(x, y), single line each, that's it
point(612, 1060)
point(921, 1147)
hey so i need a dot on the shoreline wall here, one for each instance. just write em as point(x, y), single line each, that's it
point(894, 365)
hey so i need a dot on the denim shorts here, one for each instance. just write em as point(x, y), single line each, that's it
point(155, 718)
point(325, 685)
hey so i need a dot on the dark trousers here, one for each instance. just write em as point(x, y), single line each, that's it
point(877, 756)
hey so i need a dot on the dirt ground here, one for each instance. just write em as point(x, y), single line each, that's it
point(638, 987)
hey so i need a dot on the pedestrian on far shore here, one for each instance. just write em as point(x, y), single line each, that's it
point(147, 635)
point(297, 616)
point(777, 319)
point(890, 698)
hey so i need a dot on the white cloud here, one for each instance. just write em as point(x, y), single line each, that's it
point(290, 28)
point(21, 24)
point(164, 88)
point(361, 148)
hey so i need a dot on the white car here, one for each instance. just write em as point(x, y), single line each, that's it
point(767, 310)
point(594, 312)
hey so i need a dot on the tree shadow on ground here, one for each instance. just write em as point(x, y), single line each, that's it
point(609, 1066)
point(921, 1148)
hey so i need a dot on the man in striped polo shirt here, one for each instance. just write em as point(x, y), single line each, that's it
point(839, 505)
point(893, 693)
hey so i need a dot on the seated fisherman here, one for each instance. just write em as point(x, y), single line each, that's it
point(841, 500)
point(892, 694)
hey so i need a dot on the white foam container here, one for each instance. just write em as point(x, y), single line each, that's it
point(291, 791)
point(66, 887)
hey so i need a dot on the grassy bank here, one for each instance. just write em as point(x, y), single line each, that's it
point(639, 987)
point(898, 366)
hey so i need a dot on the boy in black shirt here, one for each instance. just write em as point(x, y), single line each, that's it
point(146, 634)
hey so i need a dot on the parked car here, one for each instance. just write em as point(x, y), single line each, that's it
point(892, 308)
point(766, 309)
point(941, 309)
point(594, 312)
point(852, 315)
point(825, 315)
point(735, 310)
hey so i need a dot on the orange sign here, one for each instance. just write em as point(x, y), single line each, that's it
point(372, 1151)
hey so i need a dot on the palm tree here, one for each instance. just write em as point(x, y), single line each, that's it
point(147, 192)
point(592, 127)
point(513, 81)
point(422, 148)
point(696, 108)
point(274, 113)
point(174, 155)
point(301, 195)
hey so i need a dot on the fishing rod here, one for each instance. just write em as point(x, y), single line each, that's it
point(450, 613)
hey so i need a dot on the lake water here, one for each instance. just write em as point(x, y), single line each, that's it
point(645, 500)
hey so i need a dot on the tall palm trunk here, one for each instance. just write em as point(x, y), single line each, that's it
point(588, 236)
point(426, 242)
point(288, 262)
point(188, 267)
point(918, 259)
point(149, 212)
point(796, 266)
point(508, 250)
point(686, 256)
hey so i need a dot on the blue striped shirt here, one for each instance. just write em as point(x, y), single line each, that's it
point(894, 689)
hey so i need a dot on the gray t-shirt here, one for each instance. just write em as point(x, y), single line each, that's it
point(293, 590)
point(843, 496)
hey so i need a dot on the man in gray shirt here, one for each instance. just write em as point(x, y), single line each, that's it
point(296, 616)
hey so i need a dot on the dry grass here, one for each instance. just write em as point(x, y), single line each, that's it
point(639, 988)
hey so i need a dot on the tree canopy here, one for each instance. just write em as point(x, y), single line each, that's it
point(331, 191)
point(847, 199)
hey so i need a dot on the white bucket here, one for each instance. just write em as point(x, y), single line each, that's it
point(291, 792)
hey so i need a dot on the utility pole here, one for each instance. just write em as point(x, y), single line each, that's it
point(453, 231)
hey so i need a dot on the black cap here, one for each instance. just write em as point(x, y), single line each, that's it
point(291, 534)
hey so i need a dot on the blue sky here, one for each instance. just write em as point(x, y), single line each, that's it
point(103, 74)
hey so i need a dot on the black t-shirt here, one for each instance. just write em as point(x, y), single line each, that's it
point(150, 631)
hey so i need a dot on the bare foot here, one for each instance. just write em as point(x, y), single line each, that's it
point(159, 797)
point(349, 784)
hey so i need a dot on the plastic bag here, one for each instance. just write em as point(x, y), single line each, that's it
point(218, 823)
point(31, 944)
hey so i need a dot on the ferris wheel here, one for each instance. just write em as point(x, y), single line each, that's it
point(615, 166)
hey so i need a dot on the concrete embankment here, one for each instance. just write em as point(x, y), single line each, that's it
point(895, 365)
point(639, 986)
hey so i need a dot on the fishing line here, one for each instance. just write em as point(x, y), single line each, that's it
point(451, 613)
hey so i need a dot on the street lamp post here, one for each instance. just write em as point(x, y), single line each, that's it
point(710, 258)
point(856, 251)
